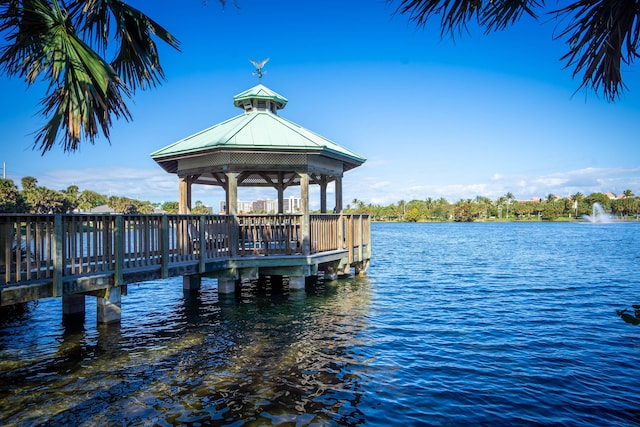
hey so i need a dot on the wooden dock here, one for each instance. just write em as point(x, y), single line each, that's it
point(71, 256)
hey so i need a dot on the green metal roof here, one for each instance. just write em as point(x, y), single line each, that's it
point(255, 130)
point(259, 130)
point(259, 92)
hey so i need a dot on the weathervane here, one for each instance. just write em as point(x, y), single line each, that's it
point(259, 66)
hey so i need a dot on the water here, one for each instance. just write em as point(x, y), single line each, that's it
point(455, 324)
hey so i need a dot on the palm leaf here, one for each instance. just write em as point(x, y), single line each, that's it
point(454, 14)
point(602, 35)
point(85, 92)
point(498, 15)
point(137, 60)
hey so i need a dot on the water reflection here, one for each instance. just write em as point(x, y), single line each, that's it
point(265, 356)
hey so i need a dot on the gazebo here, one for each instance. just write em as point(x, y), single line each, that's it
point(258, 148)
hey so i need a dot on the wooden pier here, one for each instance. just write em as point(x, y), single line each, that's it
point(72, 256)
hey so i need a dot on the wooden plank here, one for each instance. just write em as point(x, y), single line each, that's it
point(58, 255)
point(118, 250)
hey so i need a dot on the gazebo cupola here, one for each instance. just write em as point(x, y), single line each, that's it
point(258, 148)
point(259, 98)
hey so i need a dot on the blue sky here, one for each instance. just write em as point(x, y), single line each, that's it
point(481, 115)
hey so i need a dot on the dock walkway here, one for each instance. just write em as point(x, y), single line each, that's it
point(44, 256)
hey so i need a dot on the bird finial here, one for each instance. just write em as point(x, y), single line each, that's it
point(259, 66)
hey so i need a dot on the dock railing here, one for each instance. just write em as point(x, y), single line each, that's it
point(50, 248)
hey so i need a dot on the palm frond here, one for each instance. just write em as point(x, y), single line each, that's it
point(137, 59)
point(602, 35)
point(44, 41)
point(454, 14)
point(499, 14)
point(84, 91)
point(493, 15)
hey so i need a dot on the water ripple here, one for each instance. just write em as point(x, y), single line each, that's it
point(456, 324)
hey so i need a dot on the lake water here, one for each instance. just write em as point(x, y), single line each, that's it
point(455, 324)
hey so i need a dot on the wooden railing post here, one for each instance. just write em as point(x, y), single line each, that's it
point(119, 250)
point(360, 238)
point(203, 243)
point(164, 254)
point(350, 237)
point(58, 255)
point(368, 241)
point(304, 221)
point(341, 232)
point(234, 237)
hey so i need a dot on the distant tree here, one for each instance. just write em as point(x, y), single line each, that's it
point(601, 198)
point(72, 191)
point(577, 198)
point(401, 209)
point(628, 193)
point(548, 212)
point(200, 209)
point(625, 206)
point(170, 207)
point(509, 197)
point(601, 35)
point(145, 207)
point(10, 198)
point(442, 210)
point(90, 199)
point(71, 196)
point(43, 200)
point(483, 205)
point(123, 205)
point(462, 212)
point(28, 183)
point(412, 215)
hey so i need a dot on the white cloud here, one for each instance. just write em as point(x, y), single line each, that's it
point(156, 185)
point(586, 181)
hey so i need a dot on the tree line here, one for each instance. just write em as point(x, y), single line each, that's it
point(38, 199)
point(505, 208)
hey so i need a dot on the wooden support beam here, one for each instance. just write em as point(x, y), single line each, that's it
point(164, 268)
point(119, 251)
point(323, 194)
point(280, 189)
point(338, 184)
point(58, 255)
point(184, 200)
point(232, 193)
point(304, 223)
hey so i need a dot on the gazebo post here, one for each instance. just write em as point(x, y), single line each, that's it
point(232, 193)
point(232, 209)
point(304, 201)
point(298, 282)
point(184, 201)
point(338, 183)
point(280, 193)
point(323, 195)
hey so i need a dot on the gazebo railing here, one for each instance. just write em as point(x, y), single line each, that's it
point(269, 234)
point(37, 248)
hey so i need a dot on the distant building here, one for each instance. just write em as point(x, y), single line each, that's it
point(292, 205)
